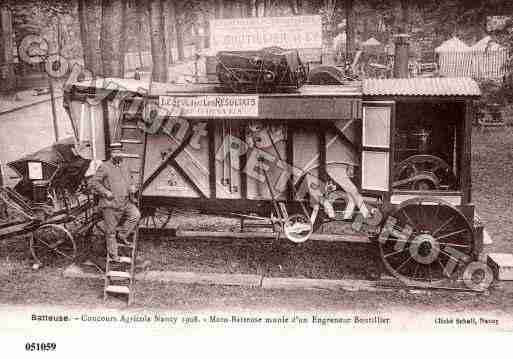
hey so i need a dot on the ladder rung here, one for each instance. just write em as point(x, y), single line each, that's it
point(125, 245)
point(118, 274)
point(129, 155)
point(118, 289)
point(129, 127)
point(131, 140)
point(258, 225)
point(122, 260)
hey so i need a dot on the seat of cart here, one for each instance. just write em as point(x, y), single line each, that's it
point(57, 165)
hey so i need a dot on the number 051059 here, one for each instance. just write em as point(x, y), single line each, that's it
point(31, 347)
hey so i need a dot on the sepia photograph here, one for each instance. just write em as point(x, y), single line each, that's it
point(280, 166)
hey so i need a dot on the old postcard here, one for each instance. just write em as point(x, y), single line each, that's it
point(305, 169)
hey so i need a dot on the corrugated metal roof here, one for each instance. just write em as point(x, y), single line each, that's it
point(442, 86)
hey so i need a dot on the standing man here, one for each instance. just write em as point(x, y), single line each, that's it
point(112, 182)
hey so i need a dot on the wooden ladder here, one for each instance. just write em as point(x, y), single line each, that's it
point(120, 274)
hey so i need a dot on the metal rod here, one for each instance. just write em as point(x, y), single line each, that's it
point(54, 112)
point(93, 131)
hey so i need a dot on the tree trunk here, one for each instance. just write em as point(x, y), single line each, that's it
point(113, 38)
point(124, 35)
point(140, 10)
point(157, 40)
point(248, 8)
point(171, 21)
point(219, 10)
point(180, 53)
point(84, 39)
point(350, 29)
point(294, 6)
point(307, 7)
point(259, 5)
point(93, 19)
point(239, 10)
point(404, 27)
point(203, 25)
point(7, 75)
point(267, 8)
point(206, 35)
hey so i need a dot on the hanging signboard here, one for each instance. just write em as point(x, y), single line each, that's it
point(296, 32)
point(211, 105)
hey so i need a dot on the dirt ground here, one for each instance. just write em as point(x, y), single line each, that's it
point(492, 170)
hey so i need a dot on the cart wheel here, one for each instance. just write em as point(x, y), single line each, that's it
point(52, 244)
point(426, 241)
point(94, 241)
point(298, 228)
point(156, 217)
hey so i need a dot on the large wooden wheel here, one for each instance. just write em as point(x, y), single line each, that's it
point(436, 241)
point(423, 172)
point(53, 244)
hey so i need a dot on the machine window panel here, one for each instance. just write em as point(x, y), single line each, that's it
point(375, 170)
point(376, 126)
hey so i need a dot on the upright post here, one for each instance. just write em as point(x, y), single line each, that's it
point(401, 56)
point(54, 112)
point(7, 76)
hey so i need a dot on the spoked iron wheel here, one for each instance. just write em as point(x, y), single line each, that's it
point(53, 244)
point(91, 243)
point(423, 172)
point(435, 244)
point(156, 217)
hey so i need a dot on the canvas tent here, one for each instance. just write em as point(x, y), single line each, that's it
point(452, 45)
point(372, 46)
point(489, 59)
point(486, 44)
point(371, 42)
point(484, 60)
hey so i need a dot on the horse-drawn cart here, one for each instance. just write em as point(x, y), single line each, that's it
point(50, 204)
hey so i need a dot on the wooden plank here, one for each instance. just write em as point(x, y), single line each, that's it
point(212, 159)
point(314, 108)
point(246, 280)
point(225, 235)
point(323, 175)
point(122, 289)
point(465, 169)
point(197, 181)
point(9, 232)
point(106, 128)
point(152, 176)
point(320, 284)
point(243, 175)
point(289, 154)
point(502, 265)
